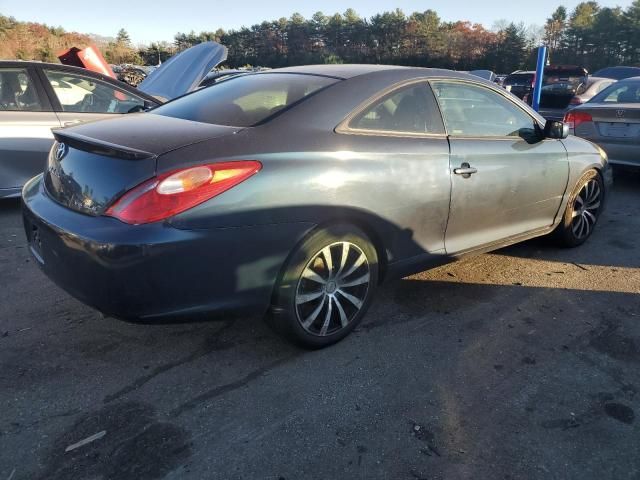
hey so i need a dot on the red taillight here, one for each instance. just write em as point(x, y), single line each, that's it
point(575, 118)
point(576, 101)
point(179, 190)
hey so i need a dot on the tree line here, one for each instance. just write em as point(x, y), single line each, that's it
point(589, 35)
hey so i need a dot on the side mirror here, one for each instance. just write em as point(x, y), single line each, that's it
point(556, 129)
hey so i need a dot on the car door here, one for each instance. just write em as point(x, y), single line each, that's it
point(26, 120)
point(506, 178)
point(81, 98)
point(403, 135)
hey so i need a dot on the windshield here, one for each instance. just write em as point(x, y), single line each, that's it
point(621, 92)
point(246, 100)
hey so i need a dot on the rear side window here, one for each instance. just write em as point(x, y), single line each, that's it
point(245, 100)
point(410, 109)
point(17, 91)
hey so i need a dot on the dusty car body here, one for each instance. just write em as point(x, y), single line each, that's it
point(612, 120)
point(296, 191)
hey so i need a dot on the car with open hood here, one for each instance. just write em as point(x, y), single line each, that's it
point(36, 97)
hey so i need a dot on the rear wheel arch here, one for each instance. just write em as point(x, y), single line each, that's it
point(319, 242)
point(372, 234)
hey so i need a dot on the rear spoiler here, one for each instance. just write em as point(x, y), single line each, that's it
point(99, 147)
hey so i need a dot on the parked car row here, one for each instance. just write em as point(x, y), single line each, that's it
point(603, 108)
point(36, 97)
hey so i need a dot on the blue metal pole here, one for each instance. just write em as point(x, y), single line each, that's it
point(537, 88)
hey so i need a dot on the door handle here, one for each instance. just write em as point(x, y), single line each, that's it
point(465, 170)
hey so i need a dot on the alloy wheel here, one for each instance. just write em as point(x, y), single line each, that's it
point(332, 288)
point(585, 209)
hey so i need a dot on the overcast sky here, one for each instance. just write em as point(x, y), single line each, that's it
point(148, 21)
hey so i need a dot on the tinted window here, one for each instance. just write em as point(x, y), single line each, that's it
point(410, 109)
point(624, 92)
point(471, 110)
point(618, 73)
point(519, 79)
point(17, 91)
point(245, 100)
point(77, 93)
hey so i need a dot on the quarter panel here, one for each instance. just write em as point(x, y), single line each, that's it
point(398, 186)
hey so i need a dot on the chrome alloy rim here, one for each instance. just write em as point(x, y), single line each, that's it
point(332, 288)
point(585, 209)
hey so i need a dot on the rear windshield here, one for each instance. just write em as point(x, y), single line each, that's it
point(519, 79)
point(246, 100)
point(618, 73)
point(620, 92)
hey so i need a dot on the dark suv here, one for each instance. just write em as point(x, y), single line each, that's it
point(520, 83)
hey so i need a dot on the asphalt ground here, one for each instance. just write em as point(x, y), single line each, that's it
point(519, 364)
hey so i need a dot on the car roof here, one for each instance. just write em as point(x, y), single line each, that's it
point(343, 71)
point(630, 79)
point(348, 71)
point(38, 63)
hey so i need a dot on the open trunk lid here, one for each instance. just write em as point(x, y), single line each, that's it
point(183, 72)
point(560, 84)
point(92, 165)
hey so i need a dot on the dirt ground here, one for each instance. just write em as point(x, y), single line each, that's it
point(519, 364)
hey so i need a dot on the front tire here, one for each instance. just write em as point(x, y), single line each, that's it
point(582, 211)
point(326, 287)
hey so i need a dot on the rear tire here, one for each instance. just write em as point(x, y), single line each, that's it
point(326, 287)
point(582, 211)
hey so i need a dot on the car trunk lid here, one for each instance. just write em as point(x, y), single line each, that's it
point(92, 165)
point(561, 84)
point(620, 122)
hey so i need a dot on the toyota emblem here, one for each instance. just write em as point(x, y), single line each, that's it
point(620, 113)
point(61, 151)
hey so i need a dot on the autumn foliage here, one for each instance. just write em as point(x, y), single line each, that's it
point(590, 35)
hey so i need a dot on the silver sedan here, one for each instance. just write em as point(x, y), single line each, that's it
point(612, 120)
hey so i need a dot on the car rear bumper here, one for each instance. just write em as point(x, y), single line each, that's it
point(155, 270)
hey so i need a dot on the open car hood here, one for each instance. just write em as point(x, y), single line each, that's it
point(183, 72)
